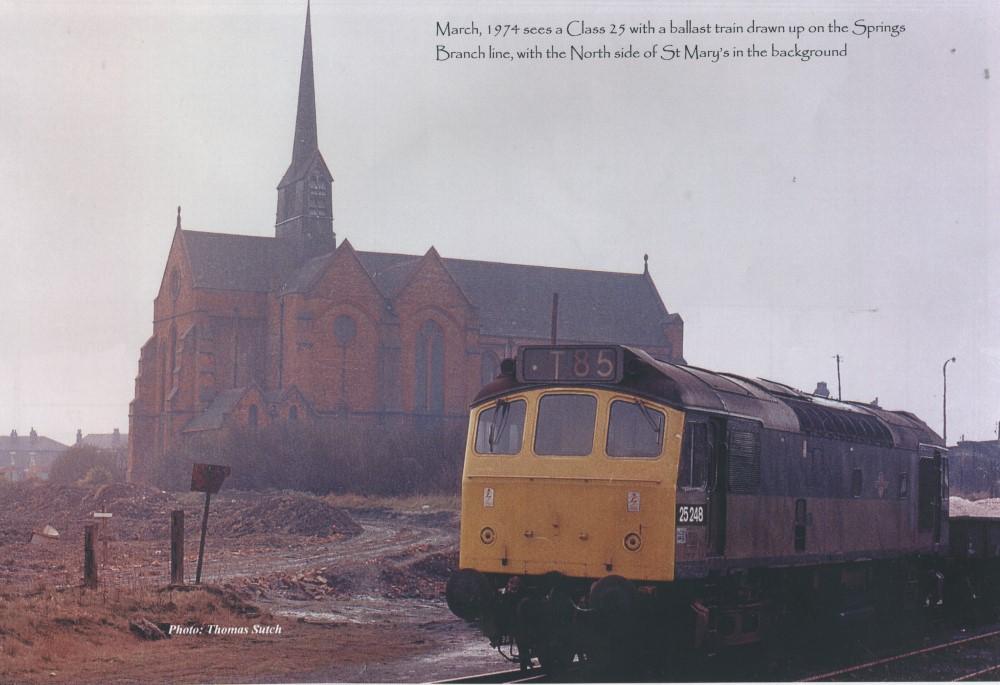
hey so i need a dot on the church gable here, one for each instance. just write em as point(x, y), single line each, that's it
point(311, 165)
point(344, 278)
point(175, 296)
point(431, 282)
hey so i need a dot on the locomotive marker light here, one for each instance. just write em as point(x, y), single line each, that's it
point(206, 478)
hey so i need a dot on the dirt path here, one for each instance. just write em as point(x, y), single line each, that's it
point(384, 535)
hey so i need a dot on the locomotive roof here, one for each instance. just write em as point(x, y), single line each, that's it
point(775, 405)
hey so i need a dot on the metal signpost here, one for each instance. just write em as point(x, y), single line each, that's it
point(206, 478)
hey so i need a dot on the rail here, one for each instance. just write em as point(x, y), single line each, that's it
point(912, 654)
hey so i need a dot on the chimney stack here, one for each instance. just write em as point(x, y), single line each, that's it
point(821, 389)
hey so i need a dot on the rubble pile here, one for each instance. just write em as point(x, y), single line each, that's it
point(141, 512)
point(31, 505)
point(282, 513)
point(424, 578)
point(318, 583)
point(421, 577)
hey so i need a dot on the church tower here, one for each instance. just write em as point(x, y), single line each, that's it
point(305, 212)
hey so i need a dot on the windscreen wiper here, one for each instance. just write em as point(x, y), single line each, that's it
point(499, 422)
point(654, 424)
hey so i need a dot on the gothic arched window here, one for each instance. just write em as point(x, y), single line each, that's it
point(429, 388)
point(344, 330)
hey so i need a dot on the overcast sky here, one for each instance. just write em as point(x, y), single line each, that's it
point(791, 210)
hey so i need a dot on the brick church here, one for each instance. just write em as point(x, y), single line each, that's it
point(252, 330)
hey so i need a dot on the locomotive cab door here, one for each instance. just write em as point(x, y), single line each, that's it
point(717, 487)
point(930, 486)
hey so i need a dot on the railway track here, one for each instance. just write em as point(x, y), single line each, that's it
point(946, 661)
point(516, 675)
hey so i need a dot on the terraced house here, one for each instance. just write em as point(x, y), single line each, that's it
point(296, 327)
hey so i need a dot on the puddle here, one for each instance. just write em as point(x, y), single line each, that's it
point(363, 609)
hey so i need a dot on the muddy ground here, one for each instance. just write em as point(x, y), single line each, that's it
point(357, 592)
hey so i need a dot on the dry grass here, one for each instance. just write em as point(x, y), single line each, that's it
point(53, 631)
point(400, 503)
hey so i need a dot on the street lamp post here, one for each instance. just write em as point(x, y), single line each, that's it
point(944, 402)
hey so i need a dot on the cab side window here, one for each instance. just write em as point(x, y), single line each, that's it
point(500, 428)
point(694, 456)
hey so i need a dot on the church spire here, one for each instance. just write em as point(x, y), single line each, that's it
point(304, 219)
point(305, 119)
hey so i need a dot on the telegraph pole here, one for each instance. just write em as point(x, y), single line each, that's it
point(839, 359)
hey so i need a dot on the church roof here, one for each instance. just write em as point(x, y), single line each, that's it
point(512, 299)
point(213, 416)
point(516, 300)
point(224, 261)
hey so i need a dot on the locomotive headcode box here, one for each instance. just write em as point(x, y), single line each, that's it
point(570, 364)
point(208, 477)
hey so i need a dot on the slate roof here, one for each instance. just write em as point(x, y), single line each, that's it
point(600, 306)
point(512, 299)
point(24, 443)
point(516, 299)
point(215, 413)
point(106, 441)
point(227, 261)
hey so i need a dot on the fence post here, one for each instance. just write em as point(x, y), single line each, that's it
point(90, 556)
point(177, 547)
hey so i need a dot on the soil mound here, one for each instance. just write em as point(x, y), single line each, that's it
point(293, 514)
point(424, 578)
point(141, 512)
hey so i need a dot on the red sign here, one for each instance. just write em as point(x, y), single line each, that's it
point(208, 477)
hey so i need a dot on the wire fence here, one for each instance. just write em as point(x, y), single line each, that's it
point(120, 564)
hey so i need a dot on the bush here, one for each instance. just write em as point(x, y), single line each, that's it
point(86, 465)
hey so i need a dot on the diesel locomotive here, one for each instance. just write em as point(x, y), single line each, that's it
point(616, 504)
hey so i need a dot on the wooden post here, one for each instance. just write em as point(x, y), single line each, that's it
point(201, 546)
point(90, 556)
point(177, 547)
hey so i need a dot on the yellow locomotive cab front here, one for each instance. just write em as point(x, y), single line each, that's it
point(574, 480)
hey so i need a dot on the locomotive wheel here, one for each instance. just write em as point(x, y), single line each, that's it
point(557, 648)
point(469, 595)
point(613, 600)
